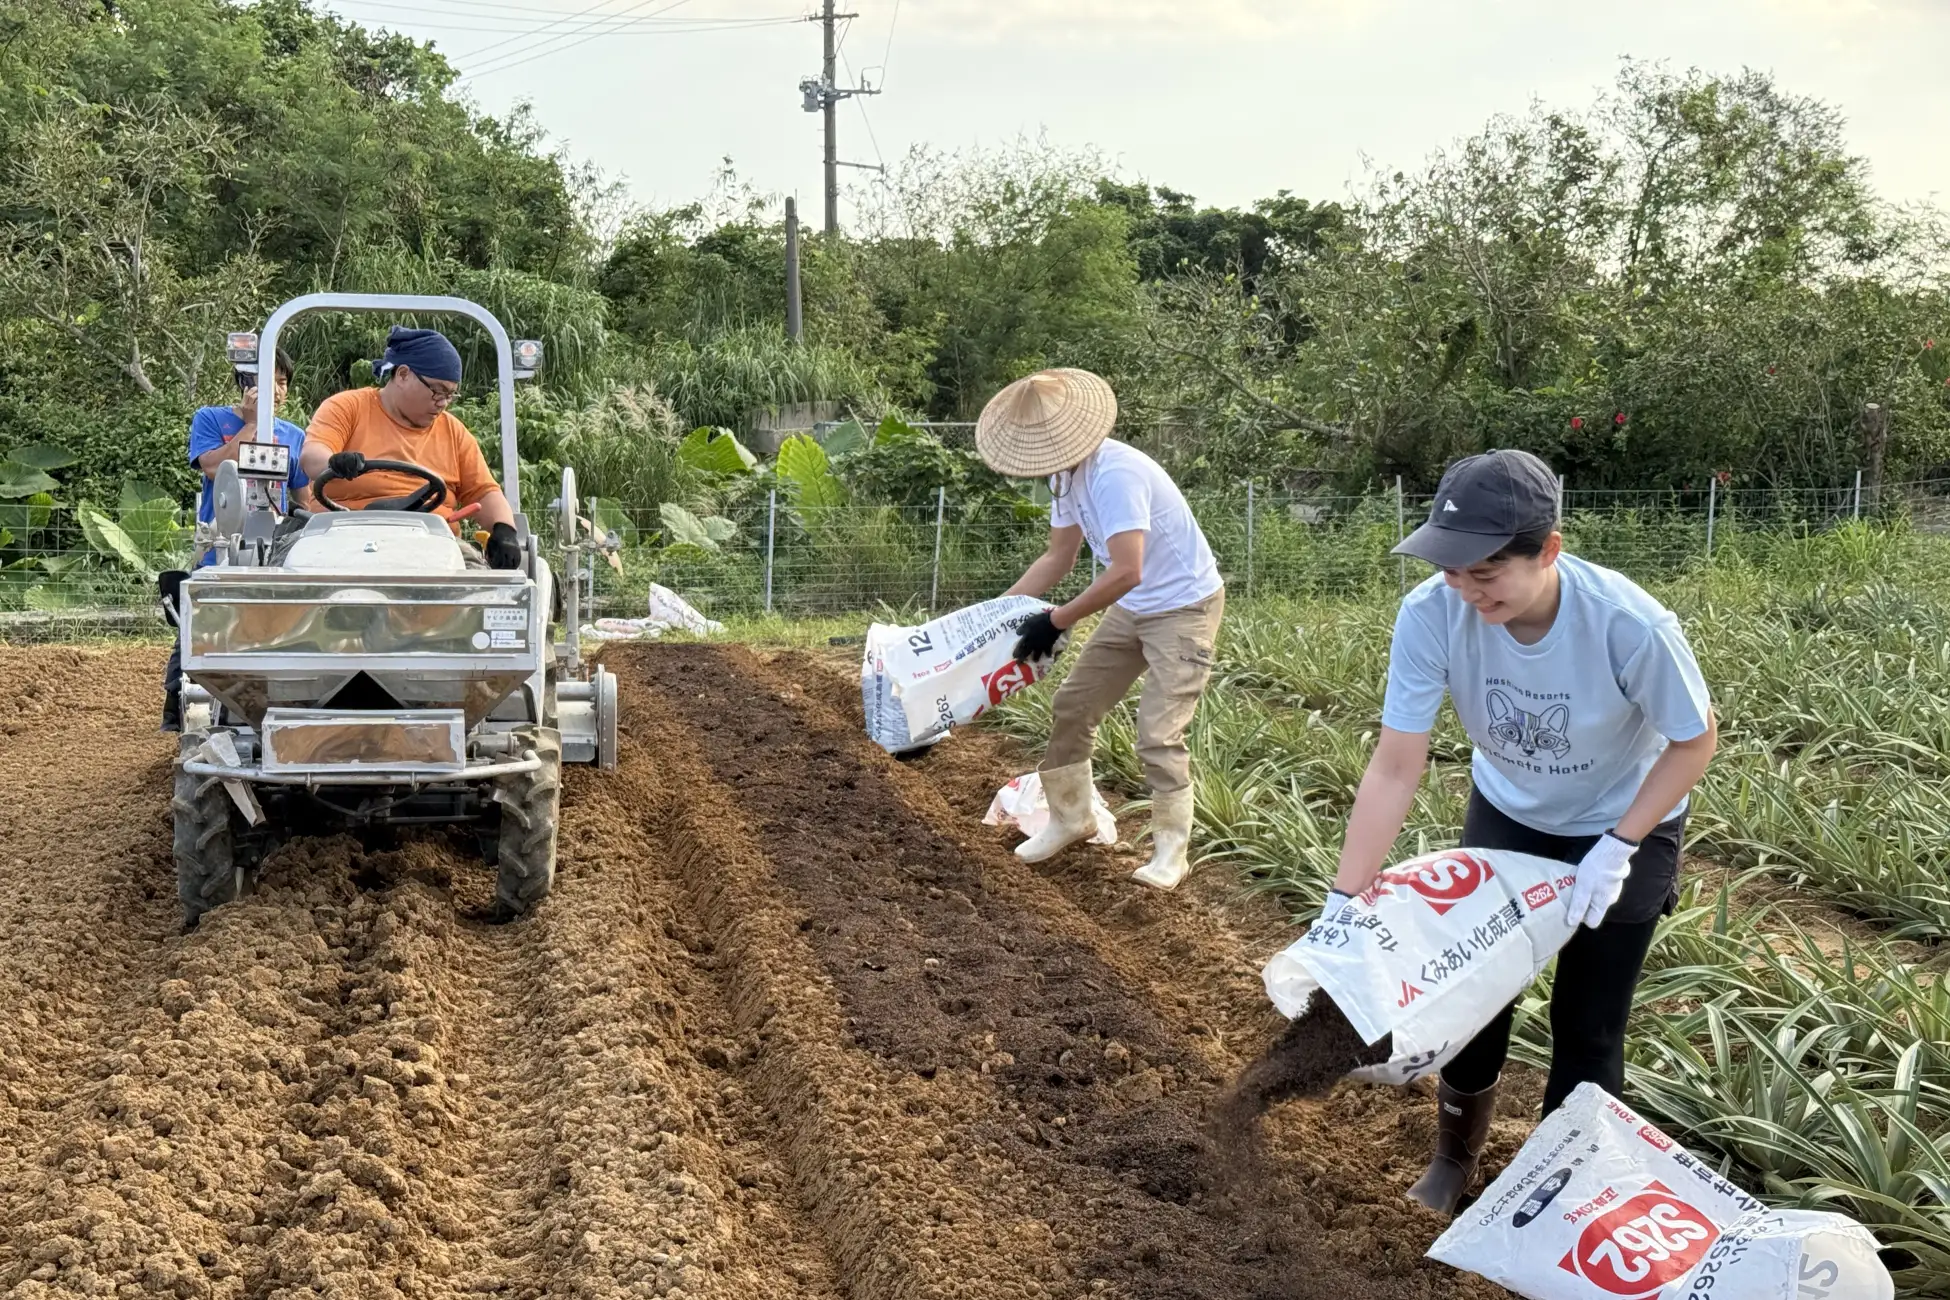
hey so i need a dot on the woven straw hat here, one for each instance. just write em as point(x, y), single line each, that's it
point(1045, 423)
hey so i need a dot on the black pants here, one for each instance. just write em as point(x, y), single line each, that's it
point(1597, 971)
point(173, 685)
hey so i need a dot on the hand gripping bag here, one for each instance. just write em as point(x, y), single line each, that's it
point(1600, 1205)
point(1431, 953)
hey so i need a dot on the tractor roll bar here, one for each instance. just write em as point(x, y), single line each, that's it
point(504, 357)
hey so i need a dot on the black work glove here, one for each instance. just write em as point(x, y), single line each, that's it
point(503, 550)
point(1039, 637)
point(347, 464)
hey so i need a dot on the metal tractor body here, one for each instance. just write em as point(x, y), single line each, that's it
point(354, 671)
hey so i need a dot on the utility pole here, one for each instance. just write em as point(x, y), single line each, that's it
point(830, 101)
point(823, 95)
point(794, 322)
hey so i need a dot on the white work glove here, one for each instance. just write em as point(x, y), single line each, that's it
point(1336, 900)
point(1601, 879)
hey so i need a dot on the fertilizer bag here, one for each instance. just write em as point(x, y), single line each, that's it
point(886, 724)
point(1600, 1205)
point(1435, 948)
point(948, 672)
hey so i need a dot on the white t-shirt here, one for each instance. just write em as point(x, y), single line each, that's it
point(1566, 729)
point(1119, 489)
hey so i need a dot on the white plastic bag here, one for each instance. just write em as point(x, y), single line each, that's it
point(623, 629)
point(1022, 804)
point(1600, 1205)
point(1431, 953)
point(672, 610)
point(948, 672)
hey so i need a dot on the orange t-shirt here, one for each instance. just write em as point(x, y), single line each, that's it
point(354, 420)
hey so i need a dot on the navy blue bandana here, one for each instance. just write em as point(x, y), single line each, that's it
point(427, 353)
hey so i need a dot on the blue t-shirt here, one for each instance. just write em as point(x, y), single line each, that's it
point(1564, 730)
point(213, 426)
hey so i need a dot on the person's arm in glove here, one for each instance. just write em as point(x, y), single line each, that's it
point(1601, 879)
point(1381, 807)
point(503, 548)
point(1038, 637)
point(1671, 779)
point(1336, 900)
point(347, 464)
point(1053, 565)
point(1112, 585)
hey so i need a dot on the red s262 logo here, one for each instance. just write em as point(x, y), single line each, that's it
point(1636, 1249)
point(1444, 882)
point(1007, 680)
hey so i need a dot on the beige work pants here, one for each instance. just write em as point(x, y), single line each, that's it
point(1173, 652)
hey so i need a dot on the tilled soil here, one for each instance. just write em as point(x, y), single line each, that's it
point(793, 1024)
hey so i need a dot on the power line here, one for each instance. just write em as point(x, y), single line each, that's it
point(626, 27)
point(457, 8)
point(552, 44)
point(888, 52)
point(864, 119)
point(565, 41)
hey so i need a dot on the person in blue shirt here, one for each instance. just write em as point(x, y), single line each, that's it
point(215, 432)
point(1590, 724)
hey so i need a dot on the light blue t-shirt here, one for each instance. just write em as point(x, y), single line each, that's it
point(1566, 729)
point(212, 426)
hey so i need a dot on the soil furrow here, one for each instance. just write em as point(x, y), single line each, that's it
point(951, 960)
point(894, 1164)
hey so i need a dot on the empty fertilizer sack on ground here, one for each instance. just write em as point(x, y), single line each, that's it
point(1600, 1205)
point(668, 612)
point(918, 683)
point(1430, 954)
point(1023, 805)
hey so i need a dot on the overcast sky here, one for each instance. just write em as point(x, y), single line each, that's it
point(1228, 99)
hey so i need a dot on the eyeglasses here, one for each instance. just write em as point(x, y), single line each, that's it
point(440, 396)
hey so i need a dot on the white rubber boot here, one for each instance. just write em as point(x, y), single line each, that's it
point(1171, 838)
point(1071, 820)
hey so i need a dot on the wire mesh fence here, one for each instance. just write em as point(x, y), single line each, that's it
point(57, 565)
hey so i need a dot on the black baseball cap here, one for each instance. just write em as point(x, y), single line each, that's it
point(1481, 505)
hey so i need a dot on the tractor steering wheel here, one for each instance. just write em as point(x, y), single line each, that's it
point(426, 499)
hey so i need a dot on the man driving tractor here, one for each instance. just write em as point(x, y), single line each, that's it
point(406, 420)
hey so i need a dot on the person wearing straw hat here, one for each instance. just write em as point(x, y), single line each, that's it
point(1159, 591)
point(1590, 724)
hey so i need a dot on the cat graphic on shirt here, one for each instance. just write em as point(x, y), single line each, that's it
point(1516, 728)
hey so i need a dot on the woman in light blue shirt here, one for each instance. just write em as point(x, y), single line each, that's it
point(1591, 725)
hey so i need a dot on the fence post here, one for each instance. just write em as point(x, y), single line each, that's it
point(1858, 495)
point(1249, 539)
point(940, 513)
point(771, 532)
point(1560, 499)
point(1401, 529)
point(1712, 508)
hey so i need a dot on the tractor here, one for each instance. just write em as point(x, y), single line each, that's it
point(351, 670)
